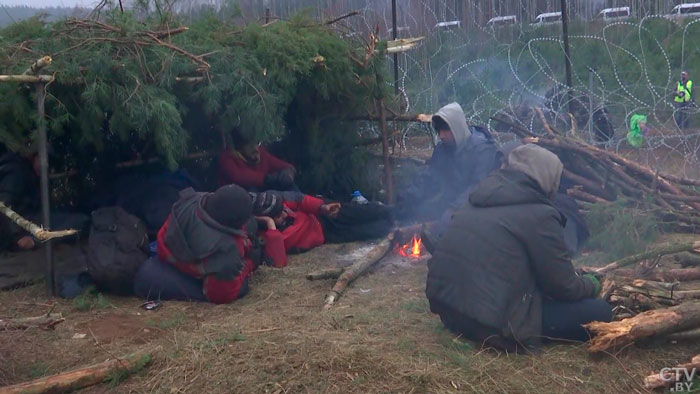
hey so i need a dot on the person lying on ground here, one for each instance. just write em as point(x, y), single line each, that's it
point(251, 166)
point(501, 274)
point(465, 155)
point(204, 240)
point(304, 222)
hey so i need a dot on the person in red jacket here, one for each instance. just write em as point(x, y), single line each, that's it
point(204, 238)
point(304, 222)
point(253, 168)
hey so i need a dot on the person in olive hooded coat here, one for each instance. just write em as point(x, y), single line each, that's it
point(501, 273)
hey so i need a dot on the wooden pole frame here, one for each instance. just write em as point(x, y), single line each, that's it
point(40, 81)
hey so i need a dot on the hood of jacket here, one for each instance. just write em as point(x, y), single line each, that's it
point(453, 115)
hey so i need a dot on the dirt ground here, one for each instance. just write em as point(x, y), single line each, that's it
point(379, 338)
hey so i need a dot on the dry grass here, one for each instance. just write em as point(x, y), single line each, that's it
point(379, 338)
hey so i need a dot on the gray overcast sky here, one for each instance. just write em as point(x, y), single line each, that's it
point(50, 3)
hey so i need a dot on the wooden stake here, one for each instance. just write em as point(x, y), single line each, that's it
point(83, 377)
point(388, 177)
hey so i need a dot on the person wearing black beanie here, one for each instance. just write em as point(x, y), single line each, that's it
point(230, 206)
point(205, 244)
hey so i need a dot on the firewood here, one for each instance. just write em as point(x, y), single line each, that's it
point(83, 377)
point(660, 251)
point(666, 377)
point(648, 324)
point(44, 322)
point(588, 185)
point(352, 272)
point(586, 197)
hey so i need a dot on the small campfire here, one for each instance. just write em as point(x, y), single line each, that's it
point(411, 249)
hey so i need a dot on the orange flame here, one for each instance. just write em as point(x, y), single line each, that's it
point(411, 249)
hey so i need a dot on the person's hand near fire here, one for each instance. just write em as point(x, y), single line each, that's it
point(330, 210)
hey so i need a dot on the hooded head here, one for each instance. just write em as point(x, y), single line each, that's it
point(539, 164)
point(505, 149)
point(229, 205)
point(453, 116)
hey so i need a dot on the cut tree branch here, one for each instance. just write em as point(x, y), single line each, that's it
point(37, 232)
point(660, 251)
point(83, 377)
point(44, 322)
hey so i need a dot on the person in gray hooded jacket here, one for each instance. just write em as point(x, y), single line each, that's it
point(465, 155)
point(501, 273)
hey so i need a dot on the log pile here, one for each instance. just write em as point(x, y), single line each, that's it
point(601, 177)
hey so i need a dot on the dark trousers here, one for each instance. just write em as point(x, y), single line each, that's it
point(681, 115)
point(358, 222)
point(563, 320)
point(560, 321)
point(156, 280)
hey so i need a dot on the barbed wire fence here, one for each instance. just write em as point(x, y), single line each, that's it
point(621, 67)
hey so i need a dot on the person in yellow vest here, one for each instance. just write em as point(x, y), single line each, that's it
point(683, 100)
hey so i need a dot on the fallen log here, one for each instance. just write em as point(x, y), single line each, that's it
point(83, 377)
point(660, 251)
point(44, 322)
point(659, 322)
point(669, 376)
point(37, 232)
point(352, 272)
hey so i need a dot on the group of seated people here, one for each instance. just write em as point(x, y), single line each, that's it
point(502, 235)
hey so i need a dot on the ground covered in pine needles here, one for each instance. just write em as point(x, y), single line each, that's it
point(379, 338)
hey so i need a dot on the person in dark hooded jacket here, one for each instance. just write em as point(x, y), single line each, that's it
point(576, 231)
point(465, 155)
point(205, 239)
point(501, 273)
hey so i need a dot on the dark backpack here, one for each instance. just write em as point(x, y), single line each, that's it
point(117, 247)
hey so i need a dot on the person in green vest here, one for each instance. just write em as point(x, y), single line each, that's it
point(683, 100)
point(638, 129)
